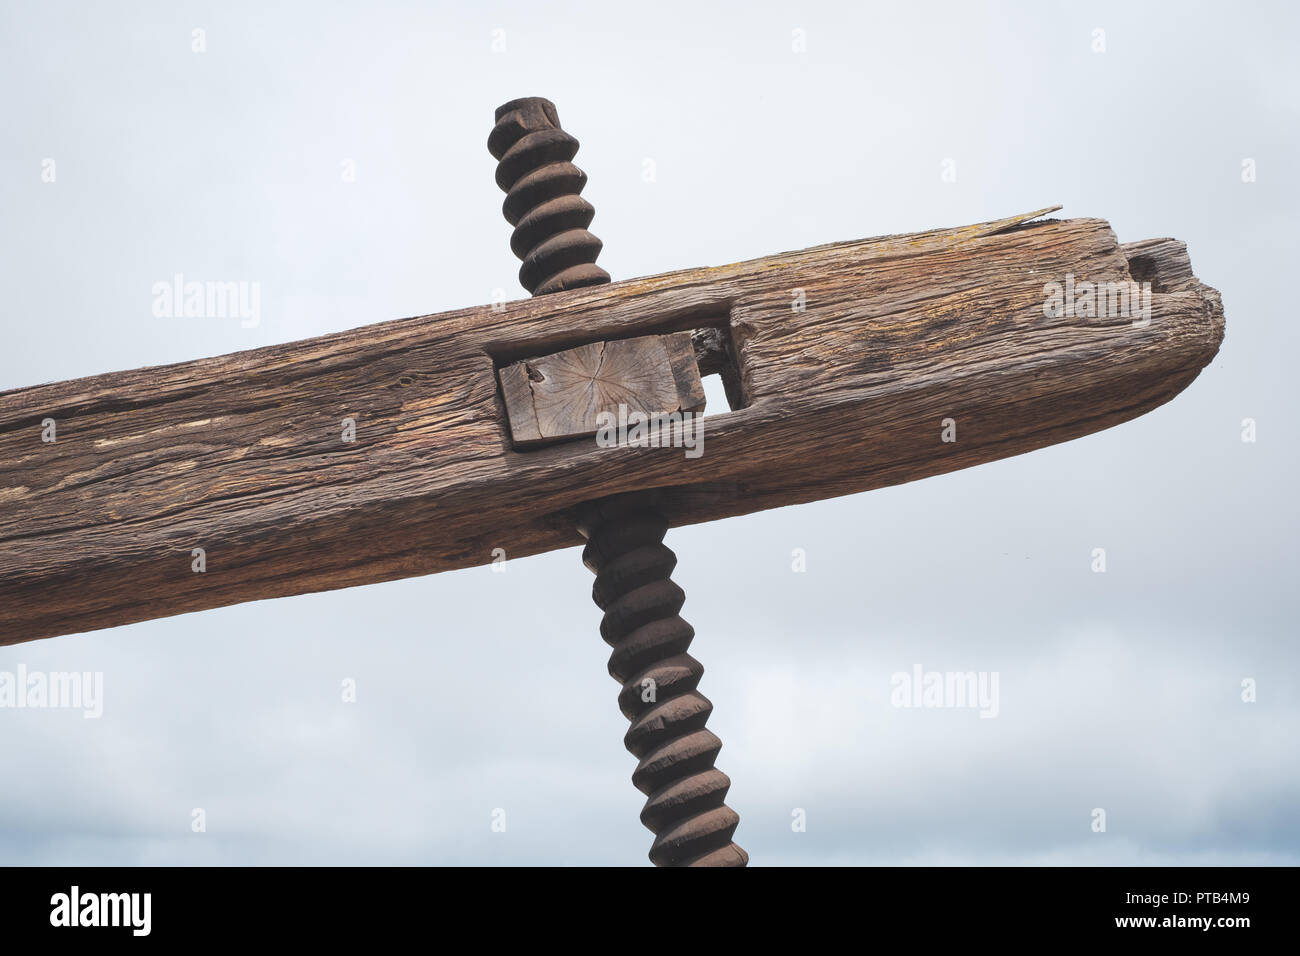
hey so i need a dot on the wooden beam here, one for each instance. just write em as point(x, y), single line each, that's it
point(842, 362)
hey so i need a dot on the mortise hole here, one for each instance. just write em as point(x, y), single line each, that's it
point(1144, 269)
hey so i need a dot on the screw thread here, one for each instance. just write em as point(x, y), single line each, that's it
point(534, 168)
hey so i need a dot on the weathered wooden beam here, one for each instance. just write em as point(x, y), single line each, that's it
point(842, 363)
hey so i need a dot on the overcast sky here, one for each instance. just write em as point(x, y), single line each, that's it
point(1120, 690)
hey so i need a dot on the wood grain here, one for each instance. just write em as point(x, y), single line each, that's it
point(563, 395)
point(242, 454)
